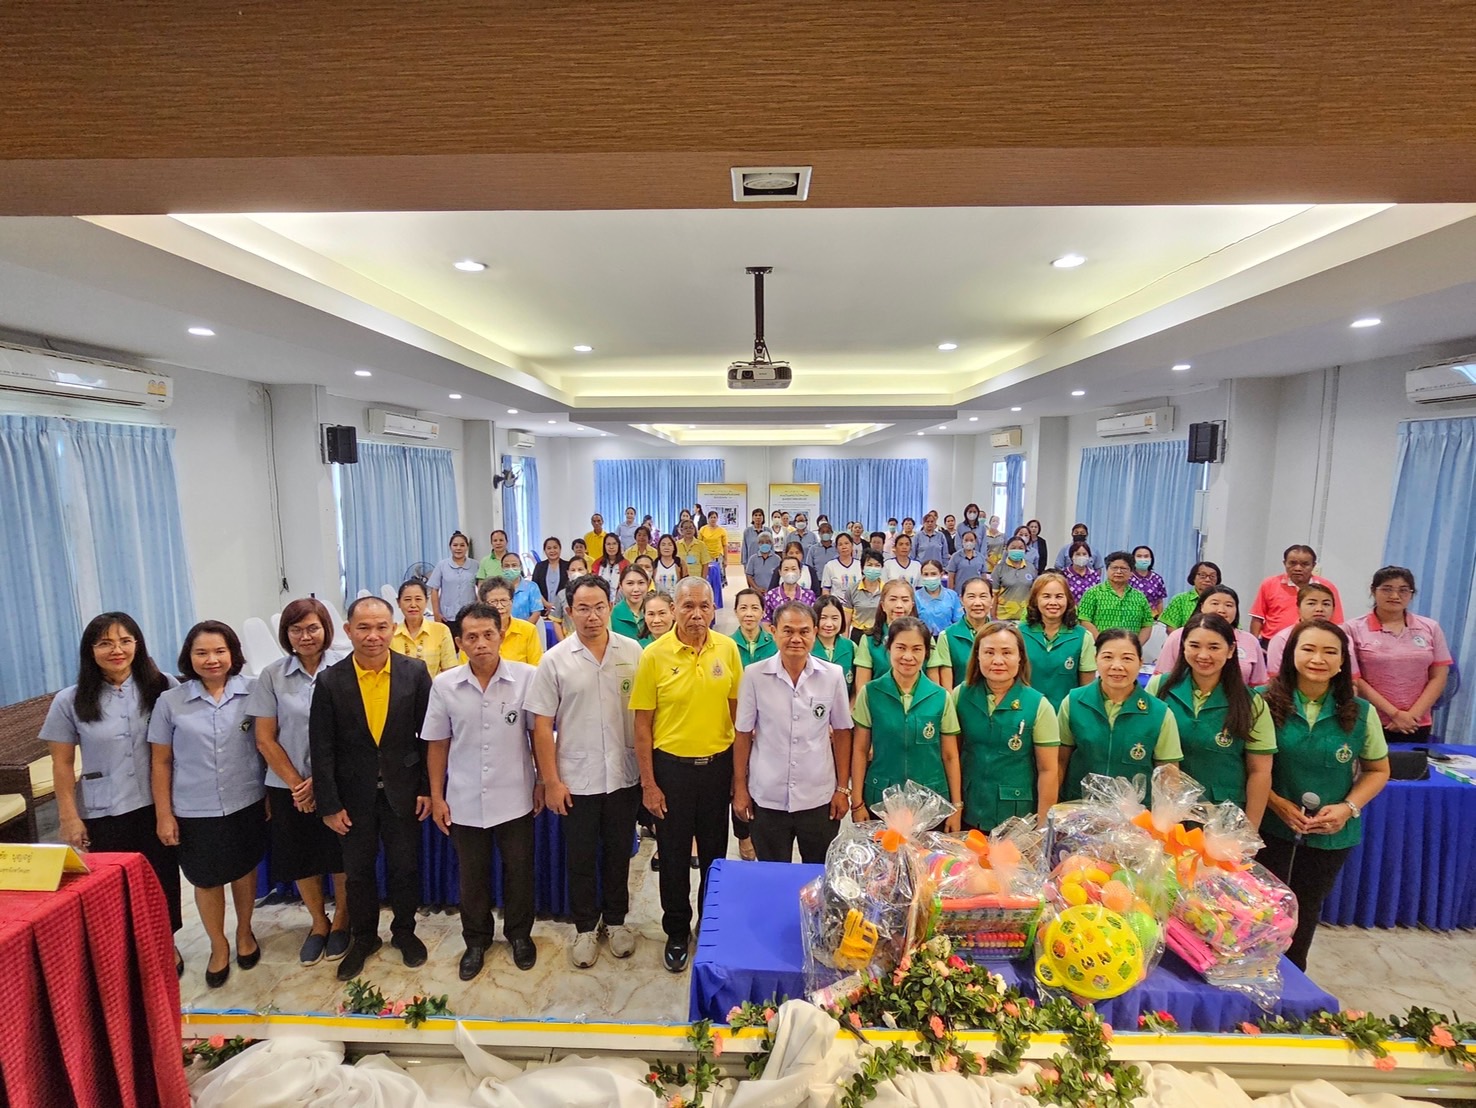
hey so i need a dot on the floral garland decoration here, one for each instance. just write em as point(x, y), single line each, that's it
point(1434, 1031)
point(702, 1075)
point(365, 999)
point(214, 1050)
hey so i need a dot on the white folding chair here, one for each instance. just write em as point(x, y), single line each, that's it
point(388, 592)
point(363, 592)
point(275, 623)
point(1155, 644)
point(259, 645)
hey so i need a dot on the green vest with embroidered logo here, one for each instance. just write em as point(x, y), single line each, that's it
point(997, 753)
point(905, 745)
point(1054, 662)
point(1319, 759)
point(763, 647)
point(960, 640)
point(844, 655)
point(623, 621)
point(1120, 749)
point(1212, 756)
point(881, 661)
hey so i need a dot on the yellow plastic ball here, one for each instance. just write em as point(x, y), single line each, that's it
point(1090, 951)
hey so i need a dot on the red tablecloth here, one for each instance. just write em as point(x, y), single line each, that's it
point(90, 993)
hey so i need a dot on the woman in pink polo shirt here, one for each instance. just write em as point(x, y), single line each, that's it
point(1402, 658)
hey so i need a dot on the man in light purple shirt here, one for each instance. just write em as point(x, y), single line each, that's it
point(792, 749)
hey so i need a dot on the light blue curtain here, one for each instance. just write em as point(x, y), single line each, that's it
point(35, 570)
point(866, 489)
point(138, 541)
point(1014, 492)
point(1141, 493)
point(520, 505)
point(398, 507)
point(660, 487)
point(1432, 528)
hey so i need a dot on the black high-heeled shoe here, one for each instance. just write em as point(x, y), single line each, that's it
point(248, 961)
point(178, 963)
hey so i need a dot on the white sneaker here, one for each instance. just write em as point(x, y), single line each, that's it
point(622, 940)
point(586, 949)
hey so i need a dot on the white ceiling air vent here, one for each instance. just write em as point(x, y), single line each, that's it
point(520, 440)
point(1006, 436)
point(769, 184)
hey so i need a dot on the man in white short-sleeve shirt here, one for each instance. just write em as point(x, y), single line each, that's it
point(792, 751)
point(483, 788)
point(584, 738)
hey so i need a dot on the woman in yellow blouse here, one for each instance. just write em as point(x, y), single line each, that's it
point(521, 641)
point(418, 637)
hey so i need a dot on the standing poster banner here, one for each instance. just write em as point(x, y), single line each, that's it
point(730, 502)
point(796, 498)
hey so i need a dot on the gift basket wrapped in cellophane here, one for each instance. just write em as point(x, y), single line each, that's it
point(985, 891)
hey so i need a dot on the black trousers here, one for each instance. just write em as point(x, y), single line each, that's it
point(1418, 735)
point(1312, 877)
point(776, 832)
point(598, 832)
point(401, 838)
point(134, 832)
point(698, 798)
point(514, 842)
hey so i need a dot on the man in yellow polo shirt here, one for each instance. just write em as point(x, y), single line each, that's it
point(685, 698)
point(594, 538)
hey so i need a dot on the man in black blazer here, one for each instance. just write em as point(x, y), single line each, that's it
point(554, 566)
point(369, 776)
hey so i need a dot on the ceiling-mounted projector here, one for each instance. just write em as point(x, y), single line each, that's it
point(762, 372)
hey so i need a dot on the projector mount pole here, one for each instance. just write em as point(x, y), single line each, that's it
point(760, 348)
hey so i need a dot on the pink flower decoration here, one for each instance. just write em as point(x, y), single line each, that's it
point(956, 962)
point(936, 1023)
point(1354, 1013)
point(769, 1014)
point(217, 1041)
point(1441, 1036)
point(855, 1018)
point(1049, 1073)
point(1250, 1029)
point(950, 1063)
point(897, 978)
point(1469, 1067)
point(717, 1044)
point(734, 1012)
point(906, 963)
point(1385, 1064)
point(1011, 1009)
point(1106, 1032)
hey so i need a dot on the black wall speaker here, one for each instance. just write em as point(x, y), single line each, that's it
point(1204, 442)
point(341, 444)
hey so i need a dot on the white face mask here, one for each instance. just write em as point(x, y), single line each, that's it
point(790, 578)
point(1081, 559)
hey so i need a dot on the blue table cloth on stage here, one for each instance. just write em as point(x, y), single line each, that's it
point(1416, 866)
point(749, 948)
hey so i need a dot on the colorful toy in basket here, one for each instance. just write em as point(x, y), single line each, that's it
point(1090, 952)
point(864, 913)
point(984, 892)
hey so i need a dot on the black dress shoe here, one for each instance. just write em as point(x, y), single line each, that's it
point(675, 955)
point(471, 962)
point(178, 963)
point(216, 978)
point(655, 863)
point(248, 961)
point(358, 953)
point(524, 953)
point(412, 948)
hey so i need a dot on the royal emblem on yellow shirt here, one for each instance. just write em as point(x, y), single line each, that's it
point(929, 730)
point(1070, 663)
point(1138, 752)
point(510, 717)
point(717, 669)
point(1345, 753)
point(1016, 742)
point(1223, 739)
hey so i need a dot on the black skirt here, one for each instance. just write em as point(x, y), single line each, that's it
point(136, 832)
point(302, 844)
point(216, 850)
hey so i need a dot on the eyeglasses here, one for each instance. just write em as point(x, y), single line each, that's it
point(1394, 590)
point(114, 644)
point(304, 632)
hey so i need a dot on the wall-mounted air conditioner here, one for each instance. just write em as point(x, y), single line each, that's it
point(520, 440)
point(1006, 436)
point(400, 426)
point(48, 373)
point(1154, 421)
point(1442, 383)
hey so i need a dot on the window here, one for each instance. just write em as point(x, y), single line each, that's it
point(1000, 504)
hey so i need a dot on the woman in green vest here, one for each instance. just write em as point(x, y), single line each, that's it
point(1224, 729)
point(873, 655)
point(1007, 735)
point(1062, 655)
point(657, 616)
point(905, 726)
point(754, 643)
point(633, 585)
point(977, 598)
point(1322, 731)
point(831, 643)
point(1113, 726)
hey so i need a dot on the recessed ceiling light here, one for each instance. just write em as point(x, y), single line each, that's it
point(466, 265)
point(456, 396)
point(582, 349)
point(948, 346)
point(553, 421)
point(919, 434)
point(512, 411)
point(1068, 261)
point(202, 332)
point(1078, 392)
point(973, 419)
point(362, 373)
point(1181, 367)
point(1017, 409)
point(942, 426)
point(1366, 321)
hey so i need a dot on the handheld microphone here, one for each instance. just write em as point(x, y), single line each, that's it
point(1311, 805)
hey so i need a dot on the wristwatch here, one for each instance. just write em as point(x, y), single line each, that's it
point(1354, 808)
point(846, 792)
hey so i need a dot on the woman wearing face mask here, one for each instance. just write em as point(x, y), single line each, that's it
point(937, 605)
point(864, 598)
point(1402, 656)
point(831, 643)
point(957, 641)
point(1040, 551)
point(417, 637)
point(1062, 655)
point(453, 583)
point(1203, 577)
point(1115, 604)
point(1112, 726)
point(668, 569)
point(657, 617)
point(1012, 581)
point(967, 563)
point(972, 525)
point(559, 614)
point(906, 728)
point(527, 600)
point(763, 565)
point(1222, 601)
point(611, 564)
point(789, 588)
point(1224, 729)
point(1080, 575)
point(521, 641)
point(754, 641)
point(795, 549)
point(1147, 582)
point(994, 544)
point(1323, 731)
point(633, 585)
point(1008, 736)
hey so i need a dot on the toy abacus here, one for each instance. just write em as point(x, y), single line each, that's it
point(992, 927)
